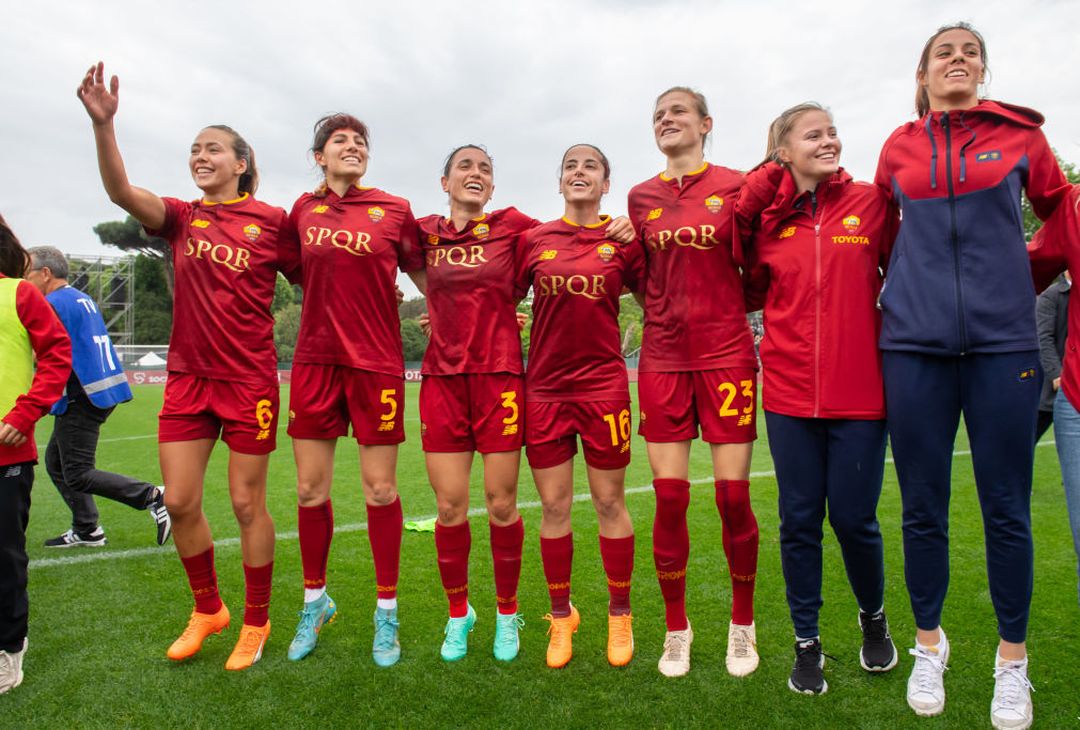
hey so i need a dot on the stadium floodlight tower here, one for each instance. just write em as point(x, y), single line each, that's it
point(110, 280)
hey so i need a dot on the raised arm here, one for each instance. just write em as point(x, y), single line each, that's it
point(101, 103)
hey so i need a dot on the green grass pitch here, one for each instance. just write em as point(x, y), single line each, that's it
point(100, 624)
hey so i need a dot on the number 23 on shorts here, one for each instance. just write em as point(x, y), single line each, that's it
point(729, 391)
point(620, 429)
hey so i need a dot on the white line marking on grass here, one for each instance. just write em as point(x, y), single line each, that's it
point(359, 526)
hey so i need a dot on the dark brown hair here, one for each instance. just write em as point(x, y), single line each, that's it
point(603, 158)
point(14, 260)
point(249, 179)
point(332, 123)
point(450, 157)
point(922, 97)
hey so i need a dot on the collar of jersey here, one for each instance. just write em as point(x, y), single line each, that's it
point(703, 168)
point(450, 222)
point(234, 201)
point(604, 220)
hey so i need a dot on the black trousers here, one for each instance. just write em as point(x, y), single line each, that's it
point(15, 483)
point(70, 459)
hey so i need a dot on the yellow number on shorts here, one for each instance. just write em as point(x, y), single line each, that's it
point(728, 390)
point(264, 414)
point(388, 398)
point(508, 401)
point(621, 429)
point(748, 391)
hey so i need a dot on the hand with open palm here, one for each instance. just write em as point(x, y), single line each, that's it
point(100, 102)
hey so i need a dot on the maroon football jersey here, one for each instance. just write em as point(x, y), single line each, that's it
point(470, 293)
point(226, 257)
point(351, 247)
point(577, 276)
point(695, 318)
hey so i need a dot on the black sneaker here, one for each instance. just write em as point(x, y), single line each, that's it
point(807, 676)
point(94, 538)
point(878, 652)
point(161, 516)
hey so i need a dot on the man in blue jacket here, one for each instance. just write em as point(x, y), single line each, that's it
point(96, 386)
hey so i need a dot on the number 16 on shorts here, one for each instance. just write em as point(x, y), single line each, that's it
point(619, 425)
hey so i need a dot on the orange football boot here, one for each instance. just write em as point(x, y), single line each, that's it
point(561, 644)
point(200, 626)
point(249, 646)
point(620, 640)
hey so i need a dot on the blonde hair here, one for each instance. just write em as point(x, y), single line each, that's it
point(781, 127)
point(700, 104)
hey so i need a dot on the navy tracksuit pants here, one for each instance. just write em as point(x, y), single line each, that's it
point(833, 465)
point(998, 395)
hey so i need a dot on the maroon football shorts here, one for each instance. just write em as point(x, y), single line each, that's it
point(243, 414)
point(551, 431)
point(723, 402)
point(472, 412)
point(325, 399)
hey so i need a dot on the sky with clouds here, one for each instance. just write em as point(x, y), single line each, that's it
point(525, 79)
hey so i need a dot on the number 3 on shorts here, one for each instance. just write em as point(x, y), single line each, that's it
point(728, 391)
point(388, 397)
point(508, 401)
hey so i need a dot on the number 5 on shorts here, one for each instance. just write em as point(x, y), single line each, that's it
point(388, 397)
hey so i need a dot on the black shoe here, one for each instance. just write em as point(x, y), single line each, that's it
point(161, 516)
point(94, 538)
point(878, 652)
point(807, 676)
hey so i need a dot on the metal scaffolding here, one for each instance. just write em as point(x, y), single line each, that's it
point(110, 280)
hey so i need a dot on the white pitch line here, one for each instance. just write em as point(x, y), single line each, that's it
point(358, 526)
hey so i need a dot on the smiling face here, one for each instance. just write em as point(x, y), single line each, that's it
point(213, 163)
point(584, 177)
point(344, 156)
point(811, 149)
point(954, 69)
point(678, 124)
point(470, 179)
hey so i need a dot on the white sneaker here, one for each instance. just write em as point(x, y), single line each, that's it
point(742, 656)
point(11, 673)
point(1011, 708)
point(925, 686)
point(675, 661)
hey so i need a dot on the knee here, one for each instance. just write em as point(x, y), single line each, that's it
point(382, 492)
point(852, 526)
point(78, 480)
point(502, 508)
point(247, 509)
point(312, 492)
point(557, 511)
point(452, 511)
point(671, 506)
point(182, 509)
point(609, 507)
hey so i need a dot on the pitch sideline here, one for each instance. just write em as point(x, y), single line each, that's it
point(361, 526)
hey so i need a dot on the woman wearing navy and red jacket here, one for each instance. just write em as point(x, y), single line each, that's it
point(28, 327)
point(227, 249)
point(815, 261)
point(959, 335)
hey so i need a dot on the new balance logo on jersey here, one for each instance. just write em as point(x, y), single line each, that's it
point(234, 259)
point(701, 237)
point(356, 243)
point(746, 420)
point(590, 287)
point(469, 257)
point(13, 471)
point(510, 430)
point(386, 426)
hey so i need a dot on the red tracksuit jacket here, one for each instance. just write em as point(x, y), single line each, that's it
point(816, 261)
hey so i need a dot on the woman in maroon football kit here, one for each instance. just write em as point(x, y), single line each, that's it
point(227, 249)
point(697, 367)
point(348, 368)
point(576, 385)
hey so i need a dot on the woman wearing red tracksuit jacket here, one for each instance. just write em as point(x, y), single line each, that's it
point(959, 335)
point(28, 327)
point(815, 261)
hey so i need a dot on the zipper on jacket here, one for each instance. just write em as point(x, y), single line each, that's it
point(954, 235)
point(817, 304)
